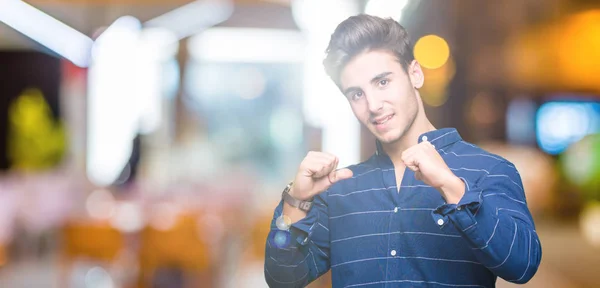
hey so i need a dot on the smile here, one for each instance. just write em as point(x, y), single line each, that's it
point(382, 121)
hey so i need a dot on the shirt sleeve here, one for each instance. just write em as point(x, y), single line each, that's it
point(297, 257)
point(493, 217)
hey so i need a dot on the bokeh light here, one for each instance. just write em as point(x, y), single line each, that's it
point(128, 217)
point(164, 216)
point(559, 124)
point(590, 223)
point(581, 165)
point(97, 277)
point(100, 204)
point(432, 51)
point(434, 91)
point(283, 222)
point(282, 239)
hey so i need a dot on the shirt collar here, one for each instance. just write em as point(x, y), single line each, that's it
point(439, 138)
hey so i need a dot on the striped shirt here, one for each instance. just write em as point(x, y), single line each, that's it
point(372, 234)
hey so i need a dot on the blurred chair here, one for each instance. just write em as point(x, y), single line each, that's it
point(178, 251)
point(95, 241)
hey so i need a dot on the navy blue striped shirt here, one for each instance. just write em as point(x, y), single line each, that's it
point(372, 234)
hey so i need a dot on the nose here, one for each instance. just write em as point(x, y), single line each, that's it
point(374, 102)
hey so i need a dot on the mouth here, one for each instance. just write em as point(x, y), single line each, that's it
point(382, 120)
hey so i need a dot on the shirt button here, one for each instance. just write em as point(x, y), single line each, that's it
point(424, 138)
point(459, 208)
point(393, 252)
point(440, 222)
point(396, 210)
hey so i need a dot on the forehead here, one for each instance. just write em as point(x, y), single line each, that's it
point(363, 67)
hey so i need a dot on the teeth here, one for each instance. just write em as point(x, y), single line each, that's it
point(384, 120)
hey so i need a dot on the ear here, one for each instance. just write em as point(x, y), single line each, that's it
point(415, 73)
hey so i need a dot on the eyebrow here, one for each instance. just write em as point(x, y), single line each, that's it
point(375, 79)
point(379, 77)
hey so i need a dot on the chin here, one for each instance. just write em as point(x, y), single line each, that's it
point(389, 137)
point(388, 140)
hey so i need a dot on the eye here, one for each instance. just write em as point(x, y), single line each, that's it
point(357, 95)
point(383, 82)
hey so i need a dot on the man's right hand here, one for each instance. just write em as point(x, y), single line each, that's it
point(317, 173)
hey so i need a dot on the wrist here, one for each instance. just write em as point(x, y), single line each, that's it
point(453, 189)
point(295, 196)
point(299, 203)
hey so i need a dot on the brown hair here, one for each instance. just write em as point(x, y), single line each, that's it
point(362, 33)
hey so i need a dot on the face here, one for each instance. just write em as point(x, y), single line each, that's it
point(382, 95)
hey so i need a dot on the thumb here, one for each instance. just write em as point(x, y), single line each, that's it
point(340, 174)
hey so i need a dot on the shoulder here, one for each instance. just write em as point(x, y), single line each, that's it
point(465, 153)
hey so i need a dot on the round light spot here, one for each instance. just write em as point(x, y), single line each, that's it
point(432, 51)
point(283, 222)
point(282, 239)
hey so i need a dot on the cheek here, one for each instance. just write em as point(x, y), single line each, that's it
point(403, 100)
point(361, 112)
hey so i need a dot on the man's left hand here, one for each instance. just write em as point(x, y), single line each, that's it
point(429, 167)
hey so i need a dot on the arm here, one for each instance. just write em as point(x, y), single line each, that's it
point(296, 257)
point(493, 217)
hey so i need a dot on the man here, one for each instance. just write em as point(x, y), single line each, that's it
point(426, 210)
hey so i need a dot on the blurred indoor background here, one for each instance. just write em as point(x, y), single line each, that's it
point(145, 143)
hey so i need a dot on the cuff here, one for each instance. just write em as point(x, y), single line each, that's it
point(462, 213)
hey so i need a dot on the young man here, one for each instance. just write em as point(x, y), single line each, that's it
point(427, 210)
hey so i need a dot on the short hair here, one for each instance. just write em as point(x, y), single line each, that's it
point(362, 33)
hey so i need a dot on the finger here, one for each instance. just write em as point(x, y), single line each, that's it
point(341, 174)
point(327, 155)
point(411, 163)
point(323, 169)
point(331, 170)
point(413, 150)
point(317, 160)
point(313, 168)
point(411, 159)
point(322, 155)
point(410, 151)
point(325, 159)
point(332, 175)
point(319, 172)
point(414, 168)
